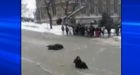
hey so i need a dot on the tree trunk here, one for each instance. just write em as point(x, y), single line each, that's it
point(50, 18)
point(49, 15)
point(53, 7)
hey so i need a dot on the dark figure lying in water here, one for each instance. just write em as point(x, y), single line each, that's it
point(79, 63)
point(55, 47)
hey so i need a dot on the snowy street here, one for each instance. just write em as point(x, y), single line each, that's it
point(102, 55)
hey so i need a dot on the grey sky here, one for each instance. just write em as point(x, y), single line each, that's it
point(30, 4)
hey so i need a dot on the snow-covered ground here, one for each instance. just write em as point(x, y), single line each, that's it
point(102, 55)
point(41, 28)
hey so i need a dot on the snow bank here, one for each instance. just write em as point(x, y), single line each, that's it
point(42, 28)
point(32, 26)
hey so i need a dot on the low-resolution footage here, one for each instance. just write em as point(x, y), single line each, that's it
point(71, 37)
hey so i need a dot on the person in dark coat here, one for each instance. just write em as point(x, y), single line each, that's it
point(79, 63)
point(106, 21)
point(67, 30)
point(108, 31)
point(117, 29)
point(98, 32)
point(91, 30)
point(55, 47)
point(78, 29)
point(59, 21)
point(83, 30)
point(77, 60)
point(62, 28)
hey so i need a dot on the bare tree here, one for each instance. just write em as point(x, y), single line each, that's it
point(66, 6)
point(48, 8)
point(53, 7)
point(70, 8)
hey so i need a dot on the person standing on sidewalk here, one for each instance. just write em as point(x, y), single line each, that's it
point(67, 30)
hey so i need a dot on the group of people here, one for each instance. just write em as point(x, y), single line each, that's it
point(89, 31)
point(82, 30)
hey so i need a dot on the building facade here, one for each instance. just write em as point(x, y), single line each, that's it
point(92, 7)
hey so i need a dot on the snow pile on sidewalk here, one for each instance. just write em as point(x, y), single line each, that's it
point(42, 28)
point(32, 26)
